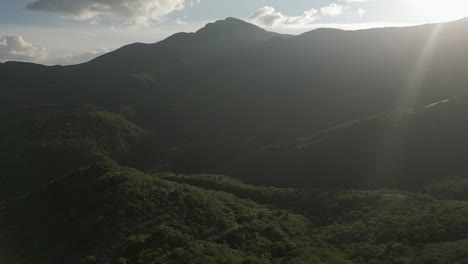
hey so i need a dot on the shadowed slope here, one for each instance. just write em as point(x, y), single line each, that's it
point(402, 149)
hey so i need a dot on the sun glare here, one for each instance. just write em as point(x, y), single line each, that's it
point(442, 9)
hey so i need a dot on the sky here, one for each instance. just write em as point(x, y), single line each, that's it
point(74, 31)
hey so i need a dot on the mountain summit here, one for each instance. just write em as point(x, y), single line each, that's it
point(220, 37)
point(234, 28)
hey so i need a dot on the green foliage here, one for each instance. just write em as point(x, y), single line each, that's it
point(451, 189)
point(93, 131)
point(58, 139)
point(383, 226)
point(282, 197)
point(394, 226)
point(448, 252)
point(129, 215)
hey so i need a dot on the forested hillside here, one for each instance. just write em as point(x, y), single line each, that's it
point(42, 143)
point(340, 147)
point(112, 214)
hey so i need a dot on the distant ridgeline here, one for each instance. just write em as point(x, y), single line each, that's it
point(99, 158)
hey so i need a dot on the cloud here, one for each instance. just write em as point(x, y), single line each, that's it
point(131, 12)
point(333, 10)
point(268, 16)
point(77, 58)
point(361, 12)
point(17, 49)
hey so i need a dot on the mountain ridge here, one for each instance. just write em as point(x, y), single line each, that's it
point(231, 22)
point(201, 93)
point(215, 38)
point(235, 23)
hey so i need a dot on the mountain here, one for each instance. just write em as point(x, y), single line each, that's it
point(183, 49)
point(56, 139)
point(123, 159)
point(402, 149)
point(214, 39)
point(231, 88)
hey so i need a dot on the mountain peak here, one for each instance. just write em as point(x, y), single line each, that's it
point(233, 20)
point(215, 38)
point(231, 25)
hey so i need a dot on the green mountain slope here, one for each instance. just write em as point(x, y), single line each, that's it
point(42, 143)
point(107, 213)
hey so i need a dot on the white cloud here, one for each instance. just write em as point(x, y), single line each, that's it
point(130, 12)
point(17, 49)
point(268, 16)
point(61, 43)
point(361, 12)
point(77, 58)
point(333, 10)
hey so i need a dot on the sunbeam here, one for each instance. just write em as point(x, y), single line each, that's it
point(416, 79)
point(390, 159)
